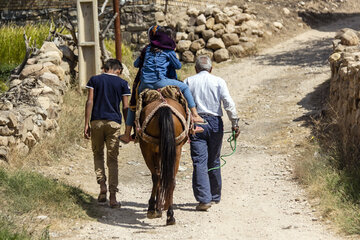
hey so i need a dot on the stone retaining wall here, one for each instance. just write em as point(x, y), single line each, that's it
point(345, 86)
point(29, 109)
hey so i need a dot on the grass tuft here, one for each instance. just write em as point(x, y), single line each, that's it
point(333, 186)
point(26, 192)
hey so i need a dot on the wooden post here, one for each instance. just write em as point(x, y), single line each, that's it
point(117, 29)
point(88, 41)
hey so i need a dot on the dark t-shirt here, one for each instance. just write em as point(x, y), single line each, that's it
point(108, 92)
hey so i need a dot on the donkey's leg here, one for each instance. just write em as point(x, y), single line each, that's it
point(170, 220)
point(153, 210)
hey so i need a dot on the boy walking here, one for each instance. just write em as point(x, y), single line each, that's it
point(102, 112)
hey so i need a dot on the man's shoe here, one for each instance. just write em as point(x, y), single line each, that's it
point(203, 206)
point(215, 202)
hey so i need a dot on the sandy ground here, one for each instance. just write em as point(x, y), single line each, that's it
point(260, 198)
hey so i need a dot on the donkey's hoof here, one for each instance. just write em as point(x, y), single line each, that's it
point(170, 221)
point(151, 214)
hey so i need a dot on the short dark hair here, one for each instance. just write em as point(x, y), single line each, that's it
point(113, 64)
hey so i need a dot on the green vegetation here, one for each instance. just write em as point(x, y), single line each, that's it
point(12, 50)
point(333, 188)
point(9, 231)
point(12, 43)
point(26, 192)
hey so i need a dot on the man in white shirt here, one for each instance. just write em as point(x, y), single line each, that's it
point(209, 92)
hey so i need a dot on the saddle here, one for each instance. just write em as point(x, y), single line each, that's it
point(149, 96)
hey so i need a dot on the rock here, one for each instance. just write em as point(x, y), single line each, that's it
point(50, 124)
point(30, 140)
point(207, 34)
point(201, 20)
point(221, 55)
point(258, 33)
point(210, 23)
point(51, 56)
point(4, 153)
point(348, 37)
point(240, 18)
point(143, 38)
point(4, 120)
point(191, 22)
point(6, 105)
point(205, 51)
point(215, 43)
point(230, 39)
point(36, 132)
point(286, 11)
point(4, 141)
point(14, 83)
point(209, 10)
point(28, 124)
point(44, 102)
point(58, 71)
point(236, 51)
point(230, 28)
point(197, 45)
point(183, 45)
point(13, 121)
point(181, 36)
point(6, 131)
point(278, 25)
point(192, 12)
point(199, 29)
point(248, 46)
point(192, 36)
point(31, 61)
point(50, 47)
point(159, 17)
point(221, 18)
point(31, 70)
point(188, 57)
point(181, 26)
point(243, 39)
point(218, 27)
point(219, 33)
point(50, 79)
point(66, 67)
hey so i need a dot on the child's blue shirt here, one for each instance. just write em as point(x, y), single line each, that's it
point(157, 65)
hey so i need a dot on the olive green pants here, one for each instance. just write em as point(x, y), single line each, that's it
point(104, 132)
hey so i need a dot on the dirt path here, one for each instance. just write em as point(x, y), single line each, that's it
point(260, 198)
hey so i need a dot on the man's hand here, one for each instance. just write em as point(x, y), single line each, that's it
point(237, 131)
point(87, 133)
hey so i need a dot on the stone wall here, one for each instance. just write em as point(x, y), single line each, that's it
point(345, 87)
point(29, 109)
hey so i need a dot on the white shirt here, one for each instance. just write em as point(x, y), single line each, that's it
point(208, 92)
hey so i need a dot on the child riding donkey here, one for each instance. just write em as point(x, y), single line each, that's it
point(157, 64)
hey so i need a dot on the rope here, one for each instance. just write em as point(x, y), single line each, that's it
point(232, 141)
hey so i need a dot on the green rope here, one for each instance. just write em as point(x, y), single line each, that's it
point(232, 141)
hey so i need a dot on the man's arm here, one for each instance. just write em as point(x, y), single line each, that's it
point(88, 109)
point(125, 106)
point(230, 108)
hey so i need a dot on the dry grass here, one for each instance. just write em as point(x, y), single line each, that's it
point(333, 187)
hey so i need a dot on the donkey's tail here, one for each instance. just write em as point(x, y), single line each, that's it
point(167, 153)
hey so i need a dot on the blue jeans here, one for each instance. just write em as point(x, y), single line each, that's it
point(159, 84)
point(205, 153)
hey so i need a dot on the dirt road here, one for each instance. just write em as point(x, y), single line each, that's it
point(260, 198)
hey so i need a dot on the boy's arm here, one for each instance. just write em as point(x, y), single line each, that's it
point(88, 109)
point(125, 106)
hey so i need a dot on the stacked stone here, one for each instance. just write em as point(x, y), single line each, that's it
point(217, 33)
point(29, 109)
point(345, 85)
